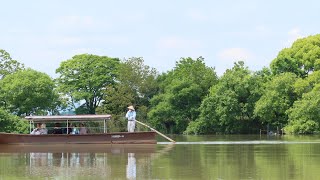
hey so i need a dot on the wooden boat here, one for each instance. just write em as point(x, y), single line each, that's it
point(148, 137)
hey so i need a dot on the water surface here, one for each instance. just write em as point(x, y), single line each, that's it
point(192, 157)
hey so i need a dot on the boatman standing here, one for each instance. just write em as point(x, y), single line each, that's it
point(131, 117)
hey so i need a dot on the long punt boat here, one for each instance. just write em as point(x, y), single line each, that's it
point(147, 137)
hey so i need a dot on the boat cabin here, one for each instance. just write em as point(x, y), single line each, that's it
point(94, 137)
point(67, 121)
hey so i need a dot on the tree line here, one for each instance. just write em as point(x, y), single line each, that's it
point(189, 99)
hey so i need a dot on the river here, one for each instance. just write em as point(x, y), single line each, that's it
point(192, 157)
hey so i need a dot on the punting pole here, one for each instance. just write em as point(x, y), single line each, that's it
point(156, 131)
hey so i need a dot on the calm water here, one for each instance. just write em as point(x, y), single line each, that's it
point(192, 157)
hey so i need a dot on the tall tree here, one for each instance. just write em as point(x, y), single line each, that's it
point(27, 92)
point(278, 97)
point(182, 91)
point(229, 106)
point(302, 58)
point(135, 85)
point(140, 78)
point(7, 64)
point(304, 114)
point(85, 78)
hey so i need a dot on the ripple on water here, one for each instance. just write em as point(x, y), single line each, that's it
point(245, 142)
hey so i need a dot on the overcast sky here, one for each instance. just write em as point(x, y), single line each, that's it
point(42, 33)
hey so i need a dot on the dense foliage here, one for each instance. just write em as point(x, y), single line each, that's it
point(229, 106)
point(28, 92)
point(277, 99)
point(302, 58)
point(305, 112)
point(11, 123)
point(85, 78)
point(189, 99)
point(135, 85)
point(7, 64)
point(180, 95)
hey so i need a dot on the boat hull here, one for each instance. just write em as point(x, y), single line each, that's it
point(78, 148)
point(101, 138)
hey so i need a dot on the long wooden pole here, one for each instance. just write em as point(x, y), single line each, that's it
point(156, 131)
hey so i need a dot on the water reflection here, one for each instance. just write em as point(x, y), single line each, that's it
point(68, 163)
point(63, 163)
point(131, 167)
point(76, 161)
point(235, 158)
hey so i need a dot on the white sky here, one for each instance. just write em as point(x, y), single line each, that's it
point(42, 33)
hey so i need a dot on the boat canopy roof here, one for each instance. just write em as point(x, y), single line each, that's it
point(87, 118)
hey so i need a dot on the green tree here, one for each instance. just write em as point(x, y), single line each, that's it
point(181, 92)
point(85, 77)
point(229, 106)
point(27, 92)
point(276, 100)
point(302, 58)
point(193, 70)
point(305, 85)
point(12, 124)
point(116, 99)
point(7, 64)
point(304, 114)
point(136, 84)
point(140, 78)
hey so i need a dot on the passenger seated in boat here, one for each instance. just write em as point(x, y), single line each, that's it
point(43, 129)
point(57, 129)
point(40, 129)
point(83, 130)
point(36, 131)
point(75, 130)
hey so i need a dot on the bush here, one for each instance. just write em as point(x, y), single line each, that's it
point(12, 124)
